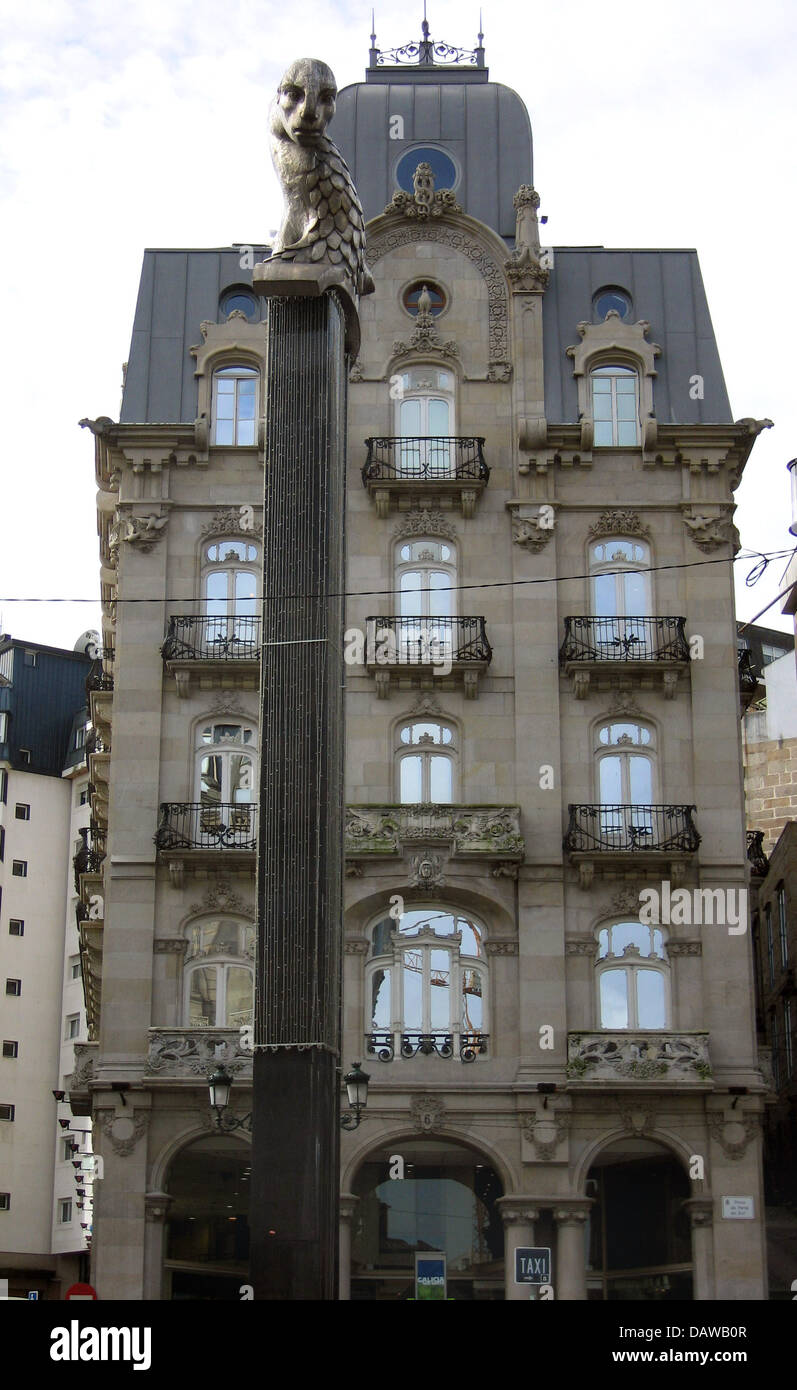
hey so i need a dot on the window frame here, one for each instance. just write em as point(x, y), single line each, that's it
point(13, 993)
point(618, 569)
point(783, 925)
point(770, 942)
point(16, 922)
point(426, 941)
point(71, 1020)
point(614, 369)
point(624, 752)
point(24, 807)
point(424, 568)
point(220, 959)
point(11, 1056)
point(65, 1202)
point(225, 749)
point(405, 751)
point(633, 964)
point(8, 1112)
point(235, 371)
point(19, 868)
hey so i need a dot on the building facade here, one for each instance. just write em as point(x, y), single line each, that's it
point(543, 731)
point(44, 805)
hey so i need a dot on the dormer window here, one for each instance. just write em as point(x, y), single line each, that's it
point(234, 405)
point(615, 406)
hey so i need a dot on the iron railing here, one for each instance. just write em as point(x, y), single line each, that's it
point(194, 825)
point(94, 743)
point(385, 1045)
point(624, 639)
point(400, 641)
point(603, 827)
point(749, 672)
point(97, 679)
point(90, 856)
point(427, 458)
point(755, 853)
point(212, 639)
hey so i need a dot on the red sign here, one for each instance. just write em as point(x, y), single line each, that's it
point(81, 1291)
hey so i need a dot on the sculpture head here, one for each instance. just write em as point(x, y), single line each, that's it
point(306, 100)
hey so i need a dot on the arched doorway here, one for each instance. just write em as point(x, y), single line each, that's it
point(446, 1201)
point(207, 1234)
point(639, 1245)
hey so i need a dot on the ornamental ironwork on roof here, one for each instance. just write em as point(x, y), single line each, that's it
point(427, 52)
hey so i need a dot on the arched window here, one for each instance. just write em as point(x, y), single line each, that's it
point(219, 973)
point(234, 405)
point(625, 755)
point(632, 977)
point(425, 422)
point(425, 756)
point(615, 406)
point(229, 585)
point(226, 772)
point(425, 578)
point(619, 582)
point(426, 984)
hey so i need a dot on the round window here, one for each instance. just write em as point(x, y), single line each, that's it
point(443, 167)
point(434, 298)
point(611, 297)
point(241, 299)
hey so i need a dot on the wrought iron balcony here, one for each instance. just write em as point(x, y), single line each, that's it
point(89, 857)
point(386, 1046)
point(438, 463)
point(94, 743)
point(594, 648)
point(469, 832)
point(97, 679)
point(201, 648)
point(755, 853)
point(627, 829)
point(444, 648)
point(750, 684)
point(187, 826)
point(193, 1052)
point(638, 1056)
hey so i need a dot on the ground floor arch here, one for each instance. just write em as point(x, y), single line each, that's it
point(206, 1235)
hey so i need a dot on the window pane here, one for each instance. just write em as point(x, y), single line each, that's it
point(224, 431)
point(626, 434)
point(635, 593)
point(602, 407)
point(438, 417)
point(440, 779)
point(410, 597)
point(614, 999)
point(603, 433)
point(239, 996)
point(472, 1002)
point(413, 990)
point(641, 779)
point(245, 593)
point(440, 989)
point(605, 601)
point(410, 418)
point(611, 787)
point(380, 999)
point(202, 1001)
point(651, 1006)
point(246, 432)
point(241, 778)
point(626, 406)
point(411, 785)
point(441, 594)
point(210, 780)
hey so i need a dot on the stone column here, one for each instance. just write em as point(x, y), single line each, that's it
point(518, 1218)
point(570, 1269)
point(701, 1216)
point(348, 1206)
point(156, 1209)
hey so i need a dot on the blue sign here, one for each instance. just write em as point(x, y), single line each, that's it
point(430, 1276)
point(34, 1294)
point(532, 1264)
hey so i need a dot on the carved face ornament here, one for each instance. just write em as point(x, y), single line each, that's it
point(307, 95)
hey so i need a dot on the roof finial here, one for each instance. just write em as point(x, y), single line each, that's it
point(373, 31)
point(480, 35)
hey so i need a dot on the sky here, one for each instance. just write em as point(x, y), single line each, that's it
point(123, 127)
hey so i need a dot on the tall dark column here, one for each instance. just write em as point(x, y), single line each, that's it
point(295, 1140)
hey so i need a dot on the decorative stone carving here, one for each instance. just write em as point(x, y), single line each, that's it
point(230, 521)
point(619, 522)
point(156, 1206)
point(171, 945)
point(142, 532)
point(220, 896)
point(765, 1067)
point(624, 703)
point(353, 869)
point(425, 337)
point(425, 201)
point(545, 1132)
point(322, 220)
point(629, 341)
point(700, 1210)
point(637, 1119)
point(354, 946)
point(684, 948)
point(195, 1052)
point(625, 900)
point(501, 870)
point(427, 1112)
point(529, 532)
point(124, 1131)
point(638, 1057)
point(499, 371)
point(426, 703)
point(423, 522)
point(501, 948)
point(580, 946)
point(356, 373)
point(517, 1212)
point(83, 1070)
point(471, 831)
point(733, 1136)
point(709, 532)
point(476, 253)
point(524, 269)
point(427, 872)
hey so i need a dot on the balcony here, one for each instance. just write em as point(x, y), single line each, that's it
point(626, 1058)
point(430, 470)
point(97, 679)
point(213, 652)
point(86, 1055)
point(387, 1046)
point(466, 832)
point(89, 858)
point(440, 651)
point(193, 1053)
point(90, 925)
point(191, 835)
point(644, 652)
point(751, 686)
point(616, 839)
point(759, 863)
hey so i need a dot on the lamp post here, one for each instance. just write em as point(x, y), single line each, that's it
point(219, 1088)
point(356, 1083)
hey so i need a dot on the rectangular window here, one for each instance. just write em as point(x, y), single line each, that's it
point(66, 1149)
point(22, 811)
point(30, 658)
point(7, 1112)
point(72, 1026)
point(14, 987)
point(75, 971)
point(16, 926)
point(788, 1041)
point(2, 842)
point(24, 755)
point(783, 926)
point(775, 1052)
point(19, 868)
point(770, 944)
point(3, 773)
point(3, 729)
point(84, 796)
point(80, 737)
point(65, 1210)
point(5, 1201)
point(10, 1049)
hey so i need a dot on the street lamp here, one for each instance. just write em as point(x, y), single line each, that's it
point(219, 1086)
point(356, 1083)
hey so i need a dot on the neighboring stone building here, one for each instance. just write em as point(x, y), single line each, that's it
point(541, 454)
point(43, 808)
point(769, 730)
